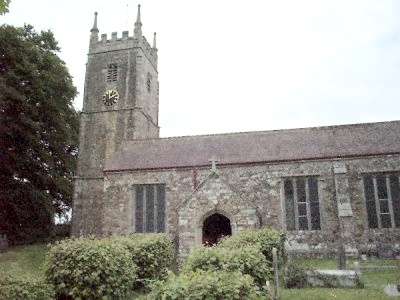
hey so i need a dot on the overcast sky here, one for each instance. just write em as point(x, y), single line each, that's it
point(228, 66)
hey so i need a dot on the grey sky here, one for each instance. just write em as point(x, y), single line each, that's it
point(227, 66)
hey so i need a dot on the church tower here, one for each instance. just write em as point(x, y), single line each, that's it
point(120, 103)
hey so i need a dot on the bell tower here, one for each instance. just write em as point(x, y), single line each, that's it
point(120, 102)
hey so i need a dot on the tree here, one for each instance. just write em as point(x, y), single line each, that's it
point(38, 134)
point(4, 6)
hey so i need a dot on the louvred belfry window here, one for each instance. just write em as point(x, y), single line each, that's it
point(112, 73)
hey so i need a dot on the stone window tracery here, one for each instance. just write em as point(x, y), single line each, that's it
point(149, 208)
point(302, 203)
point(382, 199)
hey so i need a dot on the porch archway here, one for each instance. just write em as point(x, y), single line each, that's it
point(215, 227)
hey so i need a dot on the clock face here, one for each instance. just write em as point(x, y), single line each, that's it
point(110, 97)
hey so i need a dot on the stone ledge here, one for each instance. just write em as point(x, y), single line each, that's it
point(334, 278)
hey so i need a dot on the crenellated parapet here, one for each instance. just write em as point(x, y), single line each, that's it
point(104, 44)
point(123, 42)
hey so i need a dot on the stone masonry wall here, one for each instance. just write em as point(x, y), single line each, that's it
point(250, 196)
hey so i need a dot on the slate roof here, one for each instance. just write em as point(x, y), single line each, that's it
point(259, 147)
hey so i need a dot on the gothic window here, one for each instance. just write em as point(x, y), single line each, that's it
point(382, 200)
point(112, 73)
point(149, 204)
point(302, 203)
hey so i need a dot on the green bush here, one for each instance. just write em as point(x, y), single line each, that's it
point(246, 260)
point(151, 253)
point(265, 239)
point(27, 289)
point(201, 285)
point(90, 268)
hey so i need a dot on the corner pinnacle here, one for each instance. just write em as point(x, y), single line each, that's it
point(154, 42)
point(94, 29)
point(138, 24)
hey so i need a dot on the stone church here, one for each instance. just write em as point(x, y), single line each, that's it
point(323, 186)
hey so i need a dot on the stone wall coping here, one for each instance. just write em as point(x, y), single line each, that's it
point(336, 272)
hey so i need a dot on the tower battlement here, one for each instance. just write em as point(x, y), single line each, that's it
point(137, 40)
point(123, 42)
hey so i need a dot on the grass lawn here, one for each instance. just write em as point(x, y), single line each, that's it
point(28, 262)
point(375, 280)
point(24, 261)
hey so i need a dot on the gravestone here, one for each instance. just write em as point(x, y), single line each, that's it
point(3, 242)
point(342, 257)
point(392, 290)
point(385, 251)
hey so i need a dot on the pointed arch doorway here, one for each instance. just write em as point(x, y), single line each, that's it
point(214, 228)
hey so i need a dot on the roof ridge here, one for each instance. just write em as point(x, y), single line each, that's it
point(324, 142)
point(261, 131)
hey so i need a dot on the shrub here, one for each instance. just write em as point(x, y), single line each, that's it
point(265, 239)
point(90, 268)
point(151, 253)
point(246, 260)
point(206, 285)
point(295, 277)
point(11, 288)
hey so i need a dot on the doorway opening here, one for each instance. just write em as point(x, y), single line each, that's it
point(215, 227)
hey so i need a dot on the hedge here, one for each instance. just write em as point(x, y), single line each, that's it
point(246, 260)
point(153, 254)
point(90, 268)
point(201, 285)
point(265, 239)
point(27, 289)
